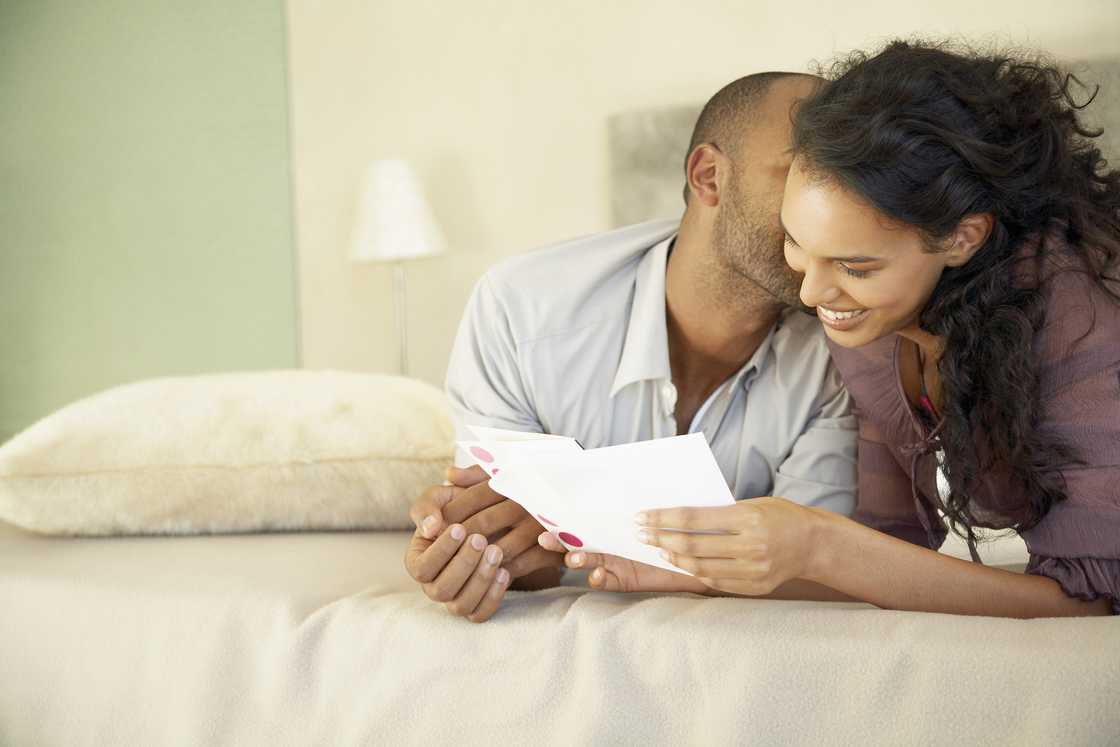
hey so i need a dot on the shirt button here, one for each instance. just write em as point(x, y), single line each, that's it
point(669, 397)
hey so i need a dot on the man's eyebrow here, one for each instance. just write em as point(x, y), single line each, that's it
point(856, 260)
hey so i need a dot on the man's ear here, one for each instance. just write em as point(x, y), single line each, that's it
point(969, 236)
point(704, 170)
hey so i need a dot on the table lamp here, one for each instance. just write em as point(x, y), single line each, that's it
point(394, 223)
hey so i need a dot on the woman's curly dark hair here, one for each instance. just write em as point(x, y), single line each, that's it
point(929, 133)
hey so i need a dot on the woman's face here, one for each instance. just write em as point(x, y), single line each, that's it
point(866, 276)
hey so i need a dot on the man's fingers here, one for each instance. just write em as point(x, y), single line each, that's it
point(426, 511)
point(493, 599)
point(533, 559)
point(456, 572)
point(469, 501)
point(466, 477)
point(425, 560)
point(469, 597)
point(522, 537)
point(501, 515)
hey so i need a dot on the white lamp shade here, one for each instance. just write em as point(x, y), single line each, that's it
point(393, 221)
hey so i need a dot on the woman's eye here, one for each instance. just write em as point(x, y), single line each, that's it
point(855, 273)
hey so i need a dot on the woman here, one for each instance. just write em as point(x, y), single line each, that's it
point(959, 237)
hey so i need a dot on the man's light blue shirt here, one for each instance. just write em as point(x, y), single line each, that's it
point(572, 340)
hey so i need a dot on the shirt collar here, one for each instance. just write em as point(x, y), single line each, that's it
point(645, 351)
point(761, 355)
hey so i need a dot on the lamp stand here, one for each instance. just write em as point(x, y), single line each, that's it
point(400, 309)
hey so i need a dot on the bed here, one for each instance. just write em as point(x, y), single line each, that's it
point(322, 639)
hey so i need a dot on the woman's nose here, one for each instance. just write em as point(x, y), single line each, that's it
point(816, 287)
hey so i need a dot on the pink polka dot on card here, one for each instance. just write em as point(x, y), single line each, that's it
point(550, 522)
point(495, 471)
point(482, 454)
point(570, 539)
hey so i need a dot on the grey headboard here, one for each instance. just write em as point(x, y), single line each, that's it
point(647, 148)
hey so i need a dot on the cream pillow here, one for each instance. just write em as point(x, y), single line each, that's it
point(230, 453)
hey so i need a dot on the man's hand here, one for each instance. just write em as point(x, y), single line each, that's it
point(459, 571)
point(612, 573)
point(449, 554)
point(427, 510)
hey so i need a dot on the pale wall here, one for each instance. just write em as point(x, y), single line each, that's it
point(502, 107)
point(145, 210)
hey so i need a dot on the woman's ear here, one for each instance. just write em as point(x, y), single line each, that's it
point(970, 235)
point(705, 166)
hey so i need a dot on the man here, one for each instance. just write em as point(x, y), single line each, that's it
point(648, 331)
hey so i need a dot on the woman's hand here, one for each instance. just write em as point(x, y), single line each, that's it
point(761, 543)
point(612, 573)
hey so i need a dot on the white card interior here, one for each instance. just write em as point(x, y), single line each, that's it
point(591, 496)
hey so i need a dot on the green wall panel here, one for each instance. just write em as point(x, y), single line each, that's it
point(145, 210)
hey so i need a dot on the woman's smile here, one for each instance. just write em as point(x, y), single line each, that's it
point(841, 320)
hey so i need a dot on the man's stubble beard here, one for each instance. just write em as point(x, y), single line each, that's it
point(752, 252)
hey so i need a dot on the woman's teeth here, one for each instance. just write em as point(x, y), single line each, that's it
point(838, 316)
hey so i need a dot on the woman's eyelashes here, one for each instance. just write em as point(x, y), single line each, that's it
point(855, 273)
point(791, 244)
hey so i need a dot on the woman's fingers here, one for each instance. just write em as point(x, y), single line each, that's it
point(548, 541)
point(715, 518)
point(581, 560)
point(604, 580)
point(718, 567)
point(697, 545)
point(602, 576)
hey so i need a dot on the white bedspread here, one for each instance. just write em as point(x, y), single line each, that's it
point(321, 639)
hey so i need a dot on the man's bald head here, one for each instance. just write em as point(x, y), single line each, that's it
point(735, 174)
point(729, 116)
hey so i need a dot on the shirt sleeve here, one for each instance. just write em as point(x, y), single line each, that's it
point(485, 380)
point(1077, 542)
point(820, 470)
point(885, 498)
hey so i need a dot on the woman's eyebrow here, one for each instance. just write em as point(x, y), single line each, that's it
point(856, 260)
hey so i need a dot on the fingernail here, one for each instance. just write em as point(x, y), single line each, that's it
point(644, 536)
point(429, 526)
point(578, 558)
point(457, 532)
point(641, 518)
point(478, 541)
point(493, 554)
point(503, 577)
point(597, 575)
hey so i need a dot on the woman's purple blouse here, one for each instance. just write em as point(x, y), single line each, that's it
point(1077, 543)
